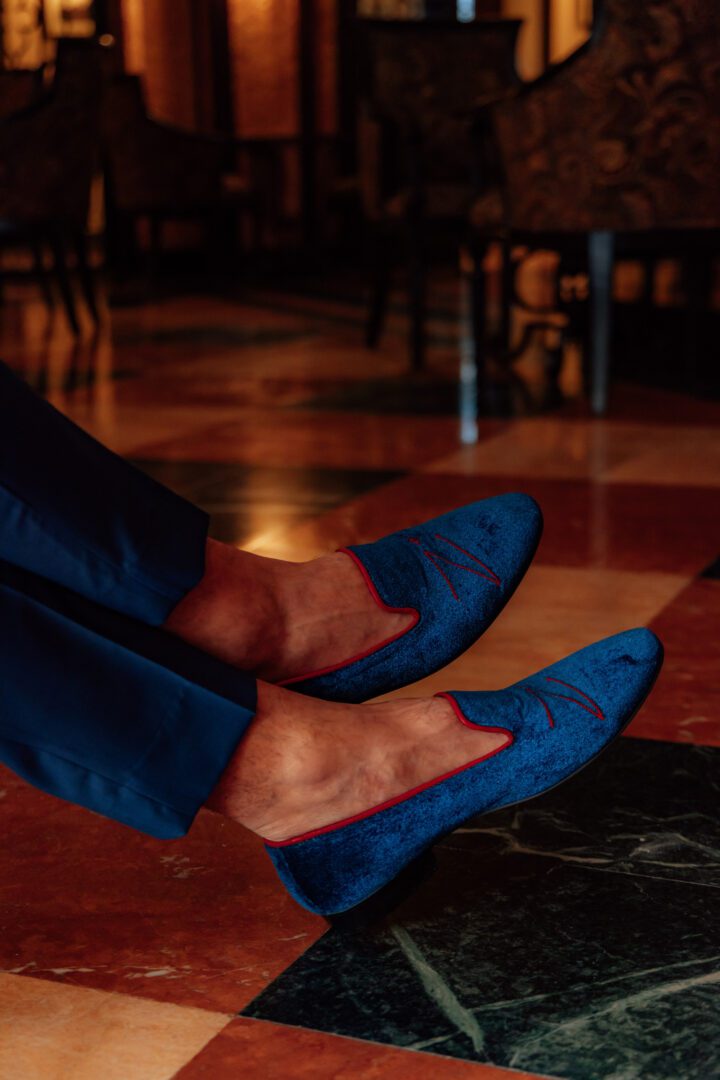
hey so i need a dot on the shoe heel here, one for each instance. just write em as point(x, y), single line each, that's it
point(385, 900)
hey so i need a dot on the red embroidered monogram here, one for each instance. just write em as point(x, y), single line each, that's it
point(587, 703)
point(436, 557)
point(543, 702)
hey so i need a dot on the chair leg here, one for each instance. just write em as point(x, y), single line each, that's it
point(478, 302)
point(257, 225)
point(218, 229)
point(131, 257)
point(59, 251)
point(507, 295)
point(697, 271)
point(155, 250)
point(601, 248)
point(87, 278)
point(417, 282)
point(42, 274)
point(379, 291)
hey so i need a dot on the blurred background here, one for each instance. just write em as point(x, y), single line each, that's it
point(513, 198)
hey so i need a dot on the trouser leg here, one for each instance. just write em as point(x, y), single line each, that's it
point(74, 512)
point(106, 712)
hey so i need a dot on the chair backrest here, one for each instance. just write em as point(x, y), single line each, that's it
point(428, 79)
point(18, 89)
point(127, 146)
point(625, 134)
point(76, 95)
point(151, 166)
point(124, 110)
point(48, 150)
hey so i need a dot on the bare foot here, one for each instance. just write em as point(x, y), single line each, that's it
point(281, 619)
point(302, 765)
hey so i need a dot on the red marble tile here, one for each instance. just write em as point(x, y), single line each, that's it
point(616, 526)
point(685, 705)
point(222, 390)
point(200, 921)
point(649, 404)
point(322, 438)
point(257, 1050)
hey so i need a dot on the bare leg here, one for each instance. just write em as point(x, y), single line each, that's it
point(304, 764)
point(281, 619)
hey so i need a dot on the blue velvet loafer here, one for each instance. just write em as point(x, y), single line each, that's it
point(452, 576)
point(554, 722)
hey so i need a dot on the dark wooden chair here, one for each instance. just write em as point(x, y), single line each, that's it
point(616, 150)
point(18, 89)
point(424, 82)
point(162, 173)
point(48, 154)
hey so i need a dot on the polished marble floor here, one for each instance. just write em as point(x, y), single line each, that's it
point(578, 937)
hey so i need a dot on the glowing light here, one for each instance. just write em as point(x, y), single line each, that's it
point(69, 18)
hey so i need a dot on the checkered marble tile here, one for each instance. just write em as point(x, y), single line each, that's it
point(576, 939)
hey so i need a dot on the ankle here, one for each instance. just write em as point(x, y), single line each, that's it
point(304, 764)
point(302, 759)
point(234, 612)
point(326, 602)
point(284, 764)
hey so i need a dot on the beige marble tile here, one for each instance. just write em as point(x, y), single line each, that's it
point(682, 455)
point(50, 1031)
point(593, 449)
point(551, 447)
point(555, 611)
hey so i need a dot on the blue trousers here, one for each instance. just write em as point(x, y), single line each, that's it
point(97, 704)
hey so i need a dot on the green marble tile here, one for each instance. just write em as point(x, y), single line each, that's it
point(577, 936)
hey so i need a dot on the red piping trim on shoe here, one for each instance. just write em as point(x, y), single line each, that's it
point(373, 649)
point(413, 791)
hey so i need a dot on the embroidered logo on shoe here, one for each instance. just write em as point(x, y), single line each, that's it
point(586, 703)
point(480, 569)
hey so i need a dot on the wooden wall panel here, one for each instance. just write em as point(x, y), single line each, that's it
point(169, 67)
point(168, 42)
point(326, 66)
point(265, 66)
point(133, 25)
point(158, 42)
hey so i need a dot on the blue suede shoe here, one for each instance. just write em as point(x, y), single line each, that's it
point(452, 576)
point(555, 723)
